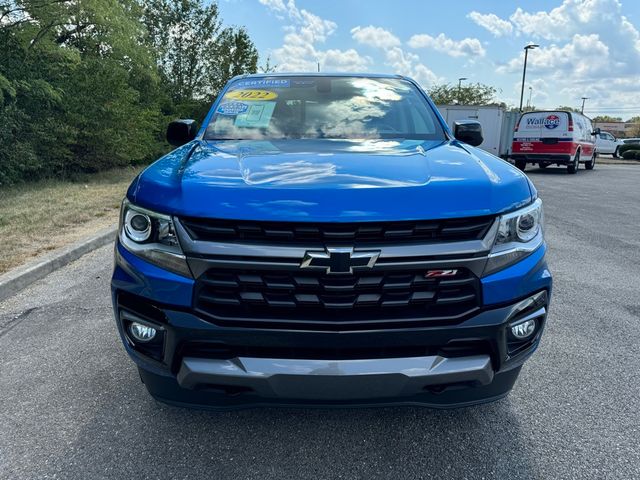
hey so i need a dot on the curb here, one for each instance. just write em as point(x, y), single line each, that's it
point(19, 278)
point(616, 162)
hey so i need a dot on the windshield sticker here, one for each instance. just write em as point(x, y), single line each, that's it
point(304, 83)
point(251, 95)
point(232, 108)
point(266, 83)
point(257, 116)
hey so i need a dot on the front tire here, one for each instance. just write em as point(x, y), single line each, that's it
point(521, 164)
point(573, 166)
point(591, 163)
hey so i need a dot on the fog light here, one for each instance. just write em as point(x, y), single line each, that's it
point(142, 333)
point(524, 330)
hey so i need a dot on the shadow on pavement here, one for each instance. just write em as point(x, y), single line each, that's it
point(403, 442)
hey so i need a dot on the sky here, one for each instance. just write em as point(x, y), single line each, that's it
point(588, 48)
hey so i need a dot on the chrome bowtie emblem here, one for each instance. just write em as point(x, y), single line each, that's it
point(339, 260)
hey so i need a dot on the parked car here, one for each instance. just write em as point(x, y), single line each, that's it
point(328, 240)
point(554, 137)
point(607, 144)
point(631, 141)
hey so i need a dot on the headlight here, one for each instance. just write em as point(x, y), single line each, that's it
point(137, 225)
point(151, 236)
point(520, 233)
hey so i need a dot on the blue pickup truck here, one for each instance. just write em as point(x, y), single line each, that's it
point(328, 240)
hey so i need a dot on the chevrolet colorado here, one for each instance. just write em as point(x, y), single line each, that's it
point(328, 240)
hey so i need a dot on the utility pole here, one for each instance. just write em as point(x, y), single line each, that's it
point(582, 109)
point(318, 67)
point(524, 71)
point(460, 89)
point(529, 100)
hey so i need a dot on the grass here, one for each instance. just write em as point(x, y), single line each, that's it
point(42, 216)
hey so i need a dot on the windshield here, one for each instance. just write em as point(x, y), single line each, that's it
point(273, 108)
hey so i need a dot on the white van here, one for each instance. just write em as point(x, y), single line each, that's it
point(554, 137)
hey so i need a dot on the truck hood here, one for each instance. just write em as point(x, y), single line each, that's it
point(330, 180)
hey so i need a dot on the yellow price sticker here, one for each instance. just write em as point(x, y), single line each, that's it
point(251, 95)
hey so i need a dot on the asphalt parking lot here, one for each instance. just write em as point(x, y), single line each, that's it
point(72, 406)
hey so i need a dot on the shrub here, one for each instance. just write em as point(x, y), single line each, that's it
point(628, 147)
point(631, 154)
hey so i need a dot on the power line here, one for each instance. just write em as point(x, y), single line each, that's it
point(616, 109)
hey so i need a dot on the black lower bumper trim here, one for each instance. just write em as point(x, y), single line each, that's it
point(167, 390)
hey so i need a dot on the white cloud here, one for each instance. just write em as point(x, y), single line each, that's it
point(407, 63)
point(491, 22)
point(402, 62)
point(598, 40)
point(277, 5)
point(540, 91)
point(467, 47)
point(569, 18)
point(375, 37)
point(587, 48)
point(584, 56)
point(300, 50)
point(344, 60)
point(424, 76)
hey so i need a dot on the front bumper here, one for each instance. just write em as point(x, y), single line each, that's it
point(330, 391)
point(206, 365)
point(335, 379)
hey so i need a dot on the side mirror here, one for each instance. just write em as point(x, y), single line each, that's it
point(468, 131)
point(180, 132)
point(596, 132)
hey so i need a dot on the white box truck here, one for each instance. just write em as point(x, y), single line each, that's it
point(497, 124)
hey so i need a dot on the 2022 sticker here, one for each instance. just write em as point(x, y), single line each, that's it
point(251, 95)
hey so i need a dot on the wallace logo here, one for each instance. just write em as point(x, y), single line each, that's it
point(552, 121)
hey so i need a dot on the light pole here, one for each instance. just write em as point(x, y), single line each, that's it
point(583, 99)
point(529, 100)
point(460, 87)
point(524, 70)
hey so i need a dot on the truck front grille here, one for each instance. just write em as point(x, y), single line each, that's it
point(310, 300)
point(356, 234)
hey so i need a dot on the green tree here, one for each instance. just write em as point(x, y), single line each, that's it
point(606, 118)
point(568, 109)
point(184, 37)
point(236, 55)
point(196, 56)
point(87, 85)
point(74, 98)
point(468, 94)
point(635, 130)
point(267, 67)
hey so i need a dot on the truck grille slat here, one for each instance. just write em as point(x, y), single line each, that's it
point(316, 300)
point(378, 233)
